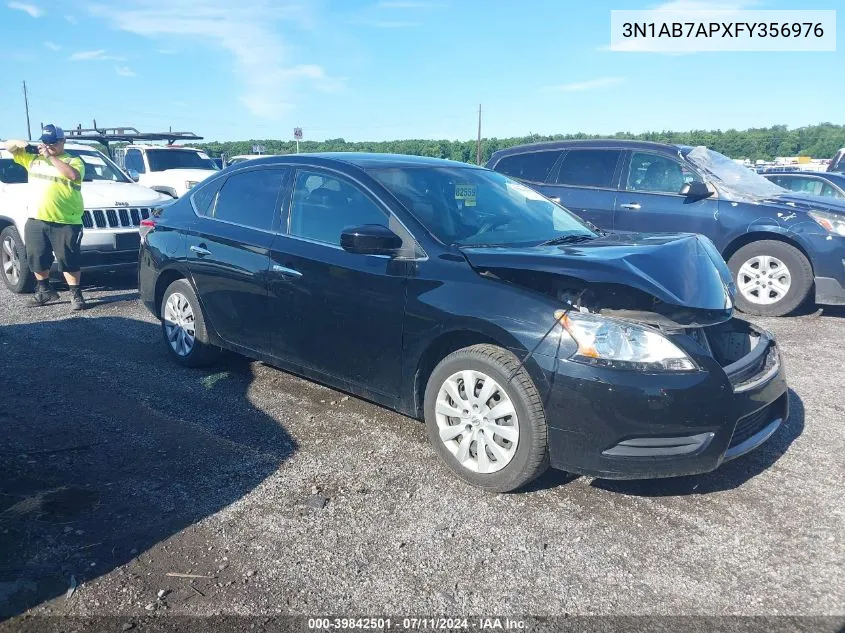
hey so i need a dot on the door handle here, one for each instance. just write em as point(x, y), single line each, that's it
point(634, 206)
point(283, 270)
point(199, 250)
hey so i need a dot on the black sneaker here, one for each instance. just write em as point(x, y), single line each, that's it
point(44, 296)
point(77, 301)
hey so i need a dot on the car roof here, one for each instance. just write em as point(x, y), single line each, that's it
point(365, 160)
point(599, 143)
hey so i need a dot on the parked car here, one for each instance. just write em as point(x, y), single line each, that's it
point(782, 248)
point(114, 208)
point(455, 294)
point(170, 169)
point(837, 163)
point(826, 184)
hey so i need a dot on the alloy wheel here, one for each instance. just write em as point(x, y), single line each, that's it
point(179, 324)
point(477, 421)
point(764, 280)
point(10, 260)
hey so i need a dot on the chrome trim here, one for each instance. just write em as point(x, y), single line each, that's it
point(284, 270)
point(754, 441)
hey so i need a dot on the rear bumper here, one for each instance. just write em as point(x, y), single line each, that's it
point(624, 425)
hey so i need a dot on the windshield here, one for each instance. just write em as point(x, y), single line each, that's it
point(467, 206)
point(732, 178)
point(98, 167)
point(161, 159)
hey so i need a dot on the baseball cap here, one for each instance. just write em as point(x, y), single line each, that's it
point(51, 134)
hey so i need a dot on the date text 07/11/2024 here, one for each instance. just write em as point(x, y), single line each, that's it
point(416, 624)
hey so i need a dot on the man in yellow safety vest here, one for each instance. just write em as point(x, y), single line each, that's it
point(55, 222)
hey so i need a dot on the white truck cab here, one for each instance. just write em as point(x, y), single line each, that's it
point(114, 208)
point(169, 169)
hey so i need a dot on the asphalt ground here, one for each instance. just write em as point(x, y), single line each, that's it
point(130, 486)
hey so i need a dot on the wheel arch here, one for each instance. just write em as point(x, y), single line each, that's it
point(758, 236)
point(165, 278)
point(453, 340)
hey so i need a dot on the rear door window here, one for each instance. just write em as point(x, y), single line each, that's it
point(531, 166)
point(250, 198)
point(589, 168)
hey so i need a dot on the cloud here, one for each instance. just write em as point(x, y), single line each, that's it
point(98, 55)
point(249, 35)
point(33, 11)
point(52, 46)
point(124, 71)
point(583, 86)
point(71, 19)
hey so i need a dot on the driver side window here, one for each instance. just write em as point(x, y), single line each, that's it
point(657, 174)
point(323, 206)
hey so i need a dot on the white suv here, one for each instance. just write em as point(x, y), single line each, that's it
point(114, 208)
point(170, 169)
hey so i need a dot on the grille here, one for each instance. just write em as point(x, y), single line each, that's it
point(114, 218)
point(751, 424)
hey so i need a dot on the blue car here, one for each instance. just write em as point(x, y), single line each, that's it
point(782, 247)
point(826, 184)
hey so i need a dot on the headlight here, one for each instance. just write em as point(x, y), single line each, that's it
point(190, 183)
point(622, 345)
point(830, 222)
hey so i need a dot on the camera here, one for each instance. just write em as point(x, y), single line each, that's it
point(31, 149)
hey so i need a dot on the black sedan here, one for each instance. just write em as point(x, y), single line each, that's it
point(448, 292)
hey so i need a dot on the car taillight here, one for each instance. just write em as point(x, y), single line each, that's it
point(146, 227)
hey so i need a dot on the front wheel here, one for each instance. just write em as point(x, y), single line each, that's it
point(16, 274)
point(772, 278)
point(183, 326)
point(486, 420)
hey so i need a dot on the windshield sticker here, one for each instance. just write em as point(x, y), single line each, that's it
point(92, 160)
point(467, 193)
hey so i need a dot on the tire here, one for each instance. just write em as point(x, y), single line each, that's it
point(180, 302)
point(512, 464)
point(784, 259)
point(13, 266)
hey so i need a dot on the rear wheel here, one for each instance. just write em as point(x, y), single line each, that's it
point(488, 429)
point(183, 326)
point(16, 274)
point(772, 278)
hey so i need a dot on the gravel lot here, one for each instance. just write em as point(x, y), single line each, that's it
point(118, 468)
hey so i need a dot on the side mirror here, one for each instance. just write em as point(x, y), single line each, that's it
point(696, 189)
point(370, 239)
point(133, 174)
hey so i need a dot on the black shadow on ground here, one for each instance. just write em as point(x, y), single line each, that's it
point(109, 448)
point(729, 475)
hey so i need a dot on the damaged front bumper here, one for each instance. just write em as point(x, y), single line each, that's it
point(618, 424)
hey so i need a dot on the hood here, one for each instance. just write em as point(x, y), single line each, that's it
point(682, 270)
point(808, 202)
point(106, 193)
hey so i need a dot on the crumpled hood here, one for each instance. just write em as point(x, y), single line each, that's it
point(98, 194)
point(681, 269)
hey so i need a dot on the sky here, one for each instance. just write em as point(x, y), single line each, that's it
point(389, 69)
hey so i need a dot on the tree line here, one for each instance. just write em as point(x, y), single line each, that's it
point(816, 141)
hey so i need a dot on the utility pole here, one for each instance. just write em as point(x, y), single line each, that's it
point(478, 141)
point(26, 104)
